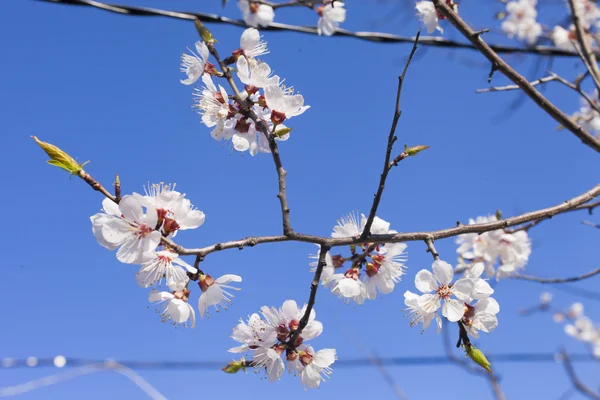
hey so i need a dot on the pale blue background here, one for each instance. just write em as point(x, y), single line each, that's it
point(106, 88)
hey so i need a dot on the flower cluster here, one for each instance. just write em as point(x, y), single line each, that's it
point(136, 225)
point(438, 291)
point(430, 17)
point(270, 102)
point(275, 336)
point(580, 327)
point(381, 266)
point(331, 14)
point(520, 21)
point(510, 251)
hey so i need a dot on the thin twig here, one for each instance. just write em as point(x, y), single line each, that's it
point(578, 384)
point(558, 280)
point(589, 207)
point(377, 37)
point(515, 87)
point(431, 249)
point(461, 362)
point(390, 144)
point(314, 286)
point(514, 76)
point(576, 87)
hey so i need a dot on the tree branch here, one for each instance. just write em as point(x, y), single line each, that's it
point(264, 129)
point(387, 166)
point(514, 76)
point(586, 53)
point(558, 280)
point(377, 37)
point(515, 87)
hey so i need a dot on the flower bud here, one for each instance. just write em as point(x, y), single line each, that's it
point(478, 357)
point(59, 158)
point(277, 117)
point(204, 33)
point(413, 151)
point(235, 366)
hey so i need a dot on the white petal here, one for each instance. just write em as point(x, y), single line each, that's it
point(425, 282)
point(453, 310)
point(442, 271)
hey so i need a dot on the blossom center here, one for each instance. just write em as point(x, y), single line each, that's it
point(444, 292)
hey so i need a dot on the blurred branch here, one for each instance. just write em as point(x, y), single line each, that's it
point(558, 280)
point(35, 384)
point(578, 384)
point(461, 362)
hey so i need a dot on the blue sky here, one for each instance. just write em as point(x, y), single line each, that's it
point(106, 88)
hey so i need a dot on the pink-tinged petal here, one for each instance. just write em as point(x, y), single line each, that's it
point(453, 310)
point(463, 288)
point(228, 278)
point(438, 322)
point(348, 287)
point(289, 310)
point(131, 208)
point(488, 322)
point(476, 270)
point(250, 38)
point(324, 357)
point(481, 289)
point(178, 310)
point(192, 220)
point(202, 50)
point(385, 285)
point(425, 282)
point(98, 222)
point(240, 142)
point(312, 330)
point(156, 296)
point(489, 306)
point(442, 271)
point(110, 207)
point(429, 303)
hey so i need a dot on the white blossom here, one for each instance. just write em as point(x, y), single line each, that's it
point(348, 286)
point(428, 15)
point(417, 314)
point(317, 366)
point(348, 226)
point(130, 229)
point(252, 335)
point(251, 43)
point(174, 307)
point(255, 72)
point(331, 15)
point(481, 288)
point(212, 104)
point(521, 21)
point(436, 288)
point(481, 316)
point(563, 38)
point(193, 65)
point(214, 293)
point(271, 360)
point(165, 264)
point(385, 270)
point(284, 101)
point(285, 320)
point(255, 14)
